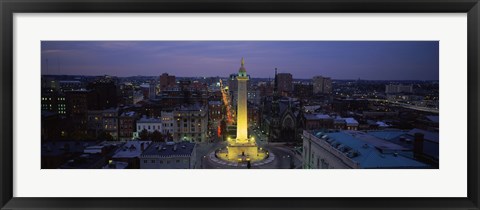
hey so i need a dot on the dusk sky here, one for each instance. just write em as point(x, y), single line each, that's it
point(368, 60)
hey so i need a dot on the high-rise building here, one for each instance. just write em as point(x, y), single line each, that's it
point(303, 90)
point(152, 92)
point(106, 92)
point(54, 102)
point(322, 85)
point(166, 81)
point(284, 82)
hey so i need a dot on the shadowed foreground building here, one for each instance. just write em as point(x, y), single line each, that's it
point(354, 149)
point(169, 155)
point(130, 153)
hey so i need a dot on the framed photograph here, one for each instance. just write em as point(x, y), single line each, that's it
point(239, 105)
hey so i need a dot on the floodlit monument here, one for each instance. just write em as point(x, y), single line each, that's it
point(242, 148)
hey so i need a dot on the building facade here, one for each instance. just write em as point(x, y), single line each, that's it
point(285, 85)
point(169, 155)
point(354, 149)
point(191, 123)
point(322, 85)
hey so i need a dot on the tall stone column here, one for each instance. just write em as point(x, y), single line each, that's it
point(242, 118)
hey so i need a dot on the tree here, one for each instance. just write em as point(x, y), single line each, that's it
point(156, 136)
point(105, 136)
point(143, 135)
point(78, 134)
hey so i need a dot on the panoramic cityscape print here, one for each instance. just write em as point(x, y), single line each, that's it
point(239, 105)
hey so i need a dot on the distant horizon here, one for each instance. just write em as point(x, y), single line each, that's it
point(75, 75)
point(340, 60)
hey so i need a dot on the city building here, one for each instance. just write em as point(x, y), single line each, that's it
point(54, 102)
point(280, 117)
point(317, 121)
point(56, 153)
point(152, 90)
point(168, 126)
point(103, 123)
point(348, 123)
point(67, 85)
point(174, 98)
point(116, 165)
point(105, 90)
point(215, 111)
point(126, 125)
point(169, 155)
point(303, 90)
point(398, 88)
point(166, 81)
point(322, 85)
point(354, 149)
point(78, 104)
point(137, 96)
point(285, 85)
point(130, 153)
point(423, 143)
point(191, 123)
point(253, 96)
point(149, 124)
point(80, 101)
point(110, 122)
point(93, 157)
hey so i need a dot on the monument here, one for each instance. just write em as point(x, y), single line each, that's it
point(242, 148)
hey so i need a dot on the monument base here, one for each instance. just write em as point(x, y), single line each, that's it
point(242, 153)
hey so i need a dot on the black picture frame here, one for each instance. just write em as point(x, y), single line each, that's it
point(9, 7)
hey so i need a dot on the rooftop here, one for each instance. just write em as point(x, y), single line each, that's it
point(317, 116)
point(351, 120)
point(169, 149)
point(116, 165)
point(128, 114)
point(406, 138)
point(367, 150)
point(146, 119)
point(193, 107)
point(62, 147)
point(132, 149)
point(433, 118)
point(214, 102)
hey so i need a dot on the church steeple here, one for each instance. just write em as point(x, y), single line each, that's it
point(275, 84)
point(243, 61)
